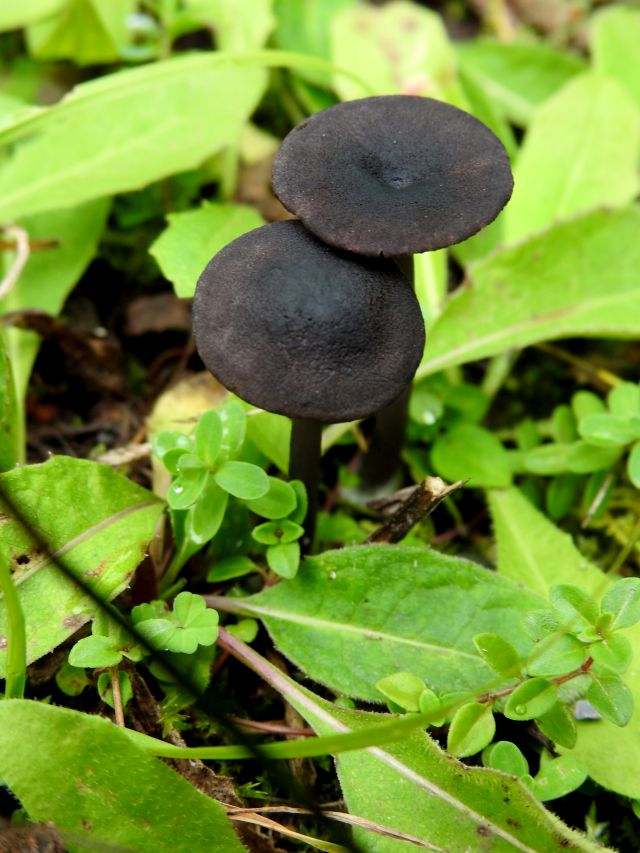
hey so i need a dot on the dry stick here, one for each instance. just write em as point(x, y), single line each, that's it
point(424, 498)
point(23, 250)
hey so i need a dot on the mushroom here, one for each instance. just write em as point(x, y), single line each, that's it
point(390, 176)
point(298, 328)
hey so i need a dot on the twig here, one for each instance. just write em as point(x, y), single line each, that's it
point(124, 455)
point(558, 680)
point(23, 250)
point(117, 696)
point(424, 498)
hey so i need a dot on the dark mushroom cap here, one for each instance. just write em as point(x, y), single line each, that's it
point(392, 175)
point(298, 328)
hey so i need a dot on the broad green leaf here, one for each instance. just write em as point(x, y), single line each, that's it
point(95, 652)
point(355, 615)
point(304, 25)
point(10, 413)
point(403, 688)
point(499, 654)
point(624, 400)
point(205, 517)
point(58, 771)
point(585, 458)
point(559, 777)
point(467, 451)
point(271, 434)
point(49, 276)
point(278, 502)
point(192, 238)
point(284, 559)
point(559, 725)
point(87, 32)
point(574, 609)
point(505, 756)
point(615, 652)
point(16, 14)
point(610, 696)
point(623, 601)
point(633, 465)
point(533, 697)
point(238, 25)
point(413, 786)
point(101, 536)
point(580, 153)
point(615, 36)
point(472, 728)
point(557, 655)
point(125, 130)
point(208, 437)
point(608, 430)
point(535, 553)
point(579, 278)
point(517, 77)
point(404, 48)
point(242, 480)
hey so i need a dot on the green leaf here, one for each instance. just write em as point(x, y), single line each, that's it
point(403, 688)
point(559, 725)
point(71, 680)
point(234, 425)
point(557, 655)
point(610, 696)
point(559, 777)
point(506, 757)
point(429, 703)
point(624, 400)
point(125, 130)
point(586, 403)
point(546, 460)
point(609, 430)
point(187, 487)
point(276, 532)
point(472, 728)
point(105, 688)
point(531, 699)
point(404, 48)
point(499, 654)
point(231, 567)
point(533, 552)
point(517, 77)
point(623, 601)
point(245, 630)
point(414, 787)
point(167, 442)
point(271, 434)
point(95, 652)
point(574, 609)
point(352, 616)
point(100, 541)
point(11, 450)
point(614, 652)
point(191, 613)
point(519, 296)
point(86, 31)
point(237, 26)
point(208, 435)
point(278, 502)
point(242, 480)
point(192, 238)
point(467, 451)
point(585, 458)
point(633, 465)
point(614, 42)
point(283, 559)
point(48, 277)
point(57, 769)
point(603, 154)
point(205, 517)
point(14, 16)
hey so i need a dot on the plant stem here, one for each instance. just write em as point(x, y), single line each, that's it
point(558, 680)
point(117, 696)
point(304, 464)
point(16, 640)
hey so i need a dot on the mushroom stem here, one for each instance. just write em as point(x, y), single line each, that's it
point(304, 464)
point(379, 466)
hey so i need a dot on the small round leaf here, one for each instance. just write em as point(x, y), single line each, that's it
point(242, 480)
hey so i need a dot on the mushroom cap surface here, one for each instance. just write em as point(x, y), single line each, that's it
point(295, 327)
point(393, 175)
